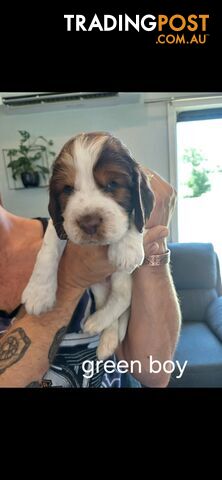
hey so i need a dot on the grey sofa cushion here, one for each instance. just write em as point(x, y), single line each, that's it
point(194, 303)
point(196, 275)
point(194, 265)
point(203, 350)
point(195, 272)
point(214, 317)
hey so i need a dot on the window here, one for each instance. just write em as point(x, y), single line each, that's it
point(199, 155)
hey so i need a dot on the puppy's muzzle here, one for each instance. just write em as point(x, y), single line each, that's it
point(90, 224)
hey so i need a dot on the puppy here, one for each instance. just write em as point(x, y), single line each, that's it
point(98, 196)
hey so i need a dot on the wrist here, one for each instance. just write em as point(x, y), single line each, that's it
point(67, 298)
point(148, 270)
point(158, 262)
point(151, 279)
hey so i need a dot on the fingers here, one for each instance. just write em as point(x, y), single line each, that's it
point(152, 248)
point(154, 234)
point(156, 179)
point(161, 188)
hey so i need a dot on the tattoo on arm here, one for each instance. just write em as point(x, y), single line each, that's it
point(55, 344)
point(13, 346)
point(52, 352)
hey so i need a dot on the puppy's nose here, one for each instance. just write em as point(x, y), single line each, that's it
point(89, 223)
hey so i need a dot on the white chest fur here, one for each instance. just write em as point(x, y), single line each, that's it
point(112, 301)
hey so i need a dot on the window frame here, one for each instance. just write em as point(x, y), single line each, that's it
point(175, 107)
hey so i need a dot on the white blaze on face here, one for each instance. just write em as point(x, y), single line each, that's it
point(87, 199)
point(85, 156)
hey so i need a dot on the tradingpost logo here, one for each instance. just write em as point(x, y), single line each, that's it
point(174, 29)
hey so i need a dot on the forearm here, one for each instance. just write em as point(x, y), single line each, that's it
point(155, 322)
point(28, 347)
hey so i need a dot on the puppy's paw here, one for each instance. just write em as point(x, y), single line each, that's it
point(95, 323)
point(107, 344)
point(39, 298)
point(123, 324)
point(126, 255)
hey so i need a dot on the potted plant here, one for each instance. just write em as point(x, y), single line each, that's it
point(25, 161)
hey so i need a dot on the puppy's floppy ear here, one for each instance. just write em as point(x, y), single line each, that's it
point(143, 199)
point(55, 210)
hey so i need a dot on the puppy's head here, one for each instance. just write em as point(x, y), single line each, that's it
point(96, 189)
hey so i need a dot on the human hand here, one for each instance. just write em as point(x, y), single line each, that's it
point(158, 223)
point(154, 241)
point(165, 199)
point(83, 266)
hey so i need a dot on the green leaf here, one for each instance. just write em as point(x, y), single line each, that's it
point(12, 164)
point(23, 160)
point(12, 152)
point(37, 156)
point(26, 155)
point(25, 135)
point(24, 149)
point(199, 182)
point(43, 138)
point(193, 156)
point(43, 169)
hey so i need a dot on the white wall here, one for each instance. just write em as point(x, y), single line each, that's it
point(142, 127)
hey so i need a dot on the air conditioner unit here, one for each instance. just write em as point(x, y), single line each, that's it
point(14, 103)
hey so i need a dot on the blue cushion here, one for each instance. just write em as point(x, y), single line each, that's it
point(203, 350)
point(194, 303)
point(193, 265)
point(214, 317)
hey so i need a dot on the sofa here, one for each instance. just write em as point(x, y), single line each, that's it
point(196, 273)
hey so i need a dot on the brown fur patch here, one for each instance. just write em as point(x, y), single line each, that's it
point(92, 137)
point(115, 165)
point(63, 168)
point(63, 175)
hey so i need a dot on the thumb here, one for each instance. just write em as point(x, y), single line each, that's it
point(156, 233)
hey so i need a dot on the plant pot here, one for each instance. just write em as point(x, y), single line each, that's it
point(30, 179)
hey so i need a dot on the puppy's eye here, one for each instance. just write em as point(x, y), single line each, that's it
point(111, 186)
point(67, 189)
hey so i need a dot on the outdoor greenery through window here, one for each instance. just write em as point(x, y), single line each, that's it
point(199, 146)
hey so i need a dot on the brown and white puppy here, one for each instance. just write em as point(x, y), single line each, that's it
point(98, 195)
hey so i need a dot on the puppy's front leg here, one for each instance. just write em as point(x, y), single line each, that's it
point(127, 253)
point(117, 302)
point(115, 332)
point(108, 341)
point(101, 292)
point(40, 293)
point(112, 335)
